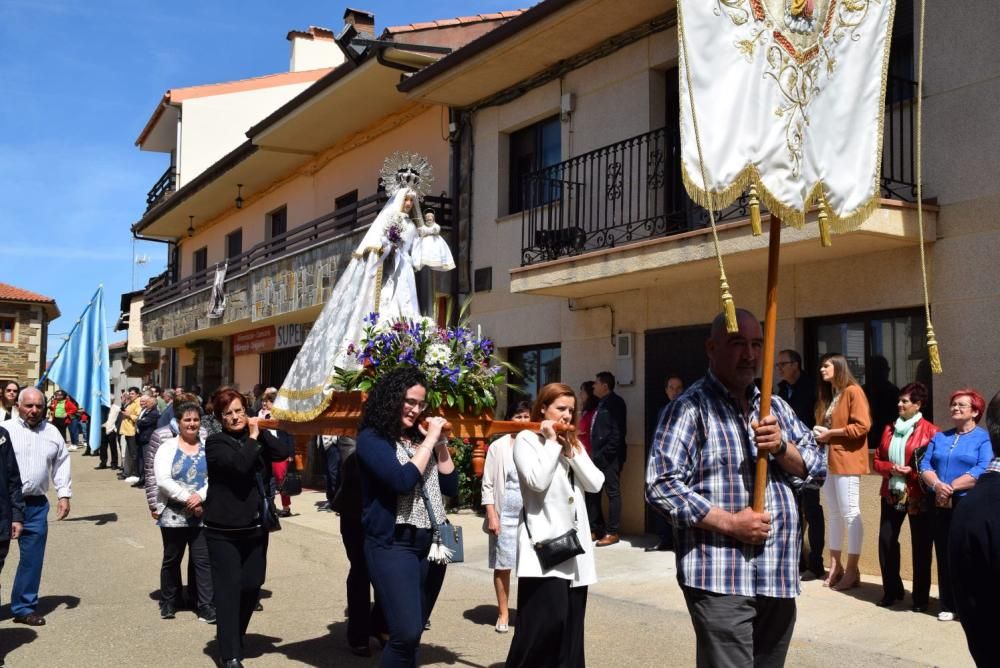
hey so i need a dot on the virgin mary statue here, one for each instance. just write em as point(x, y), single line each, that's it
point(379, 279)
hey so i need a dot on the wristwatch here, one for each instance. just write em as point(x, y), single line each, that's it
point(781, 450)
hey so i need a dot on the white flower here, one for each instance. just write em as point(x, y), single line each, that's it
point(438, 354)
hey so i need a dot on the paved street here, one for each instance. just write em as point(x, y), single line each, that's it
point(101, 576)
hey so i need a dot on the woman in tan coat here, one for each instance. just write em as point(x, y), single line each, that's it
point(842, 423)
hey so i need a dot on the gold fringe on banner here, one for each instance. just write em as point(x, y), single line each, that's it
point(755, 212)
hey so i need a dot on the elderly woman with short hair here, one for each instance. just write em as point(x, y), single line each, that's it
point(902, 447)
point(954, 461)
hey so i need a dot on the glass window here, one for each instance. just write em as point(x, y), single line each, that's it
point(200, 260)
point(531, 149)
point(885, 351)
point(540, 365)
point(277, 223)
point(6, 330)
point(234, 243)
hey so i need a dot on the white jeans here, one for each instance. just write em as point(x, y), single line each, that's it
point(842, 496)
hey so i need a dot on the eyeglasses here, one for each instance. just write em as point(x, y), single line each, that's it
point(959, 404)
point(229, 415)
point(413, 403)
point(11, 390)
point(780, 365)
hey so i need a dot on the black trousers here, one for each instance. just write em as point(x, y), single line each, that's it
point(612, 487)
point(811, 509)
point(332, 460)
point(61, 424)
point(940, 526)
point(550, 624)
point(109, 444)
point(360, 623)
point(740, 630)
point(174, 542)
point(131, 466)
point(921, 541)
point(239, 564)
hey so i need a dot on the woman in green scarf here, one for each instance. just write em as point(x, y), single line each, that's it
point(896, 460)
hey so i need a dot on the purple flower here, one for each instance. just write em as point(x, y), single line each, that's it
point(451, 374)
point(371, 318)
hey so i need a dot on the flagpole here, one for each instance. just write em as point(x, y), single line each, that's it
point(69, 336)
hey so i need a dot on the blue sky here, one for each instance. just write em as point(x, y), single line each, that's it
point(79, 81)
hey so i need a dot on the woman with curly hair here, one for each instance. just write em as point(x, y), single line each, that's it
point(401, 462)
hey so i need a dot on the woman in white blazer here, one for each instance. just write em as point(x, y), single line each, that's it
point(502, 501)
point(182, 485)
point(554, 471)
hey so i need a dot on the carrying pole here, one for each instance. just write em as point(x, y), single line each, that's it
point(767, 381)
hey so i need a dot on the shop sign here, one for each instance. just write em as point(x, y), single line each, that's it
point(254, 341)
point(290, 336)
point(266, 339)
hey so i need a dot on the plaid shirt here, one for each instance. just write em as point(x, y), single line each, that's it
point(994, 466)
point(703, 455)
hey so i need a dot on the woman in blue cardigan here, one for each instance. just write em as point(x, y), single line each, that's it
point(951, 466)
point(397, 458)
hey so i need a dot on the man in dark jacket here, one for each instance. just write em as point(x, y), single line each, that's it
point(607, 444)
point(11, 502)
point(799, 390)
point(974, 554)
point(145, 425)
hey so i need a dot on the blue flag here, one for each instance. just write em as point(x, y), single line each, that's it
point(81, 366)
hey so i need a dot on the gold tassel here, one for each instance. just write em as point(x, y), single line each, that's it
point(824, 225)
point(728, 306)
point(378, 284)
point(932, 350)
point(755, 211)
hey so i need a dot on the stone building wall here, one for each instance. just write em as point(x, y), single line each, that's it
point(22, 360)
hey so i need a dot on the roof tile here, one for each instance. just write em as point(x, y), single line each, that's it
point(12, 293)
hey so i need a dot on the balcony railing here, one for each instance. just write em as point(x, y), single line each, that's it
point(163, 187)
point(353, 218)
point(632, 190)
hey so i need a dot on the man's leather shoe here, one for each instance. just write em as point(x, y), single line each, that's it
point(232, 663)
point(30, 620)
point(100, 467)
point(919, 607)
point(659, 547)
point(609, 539)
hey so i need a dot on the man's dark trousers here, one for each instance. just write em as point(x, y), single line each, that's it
point(812, 511)
point(740, 630)
point(612, 487)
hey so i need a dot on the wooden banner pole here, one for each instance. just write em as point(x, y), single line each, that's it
point(767, 380)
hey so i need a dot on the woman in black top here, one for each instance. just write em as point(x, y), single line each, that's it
point(399, 460)
point(239, 471)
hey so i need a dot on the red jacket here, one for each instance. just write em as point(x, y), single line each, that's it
point(922, 434)
point(70, 408)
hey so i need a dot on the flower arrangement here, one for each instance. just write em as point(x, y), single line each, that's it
point(460, 366)
point(394, 232)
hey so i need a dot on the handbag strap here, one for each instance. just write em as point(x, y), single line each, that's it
point(427, 504)
point(572, 483)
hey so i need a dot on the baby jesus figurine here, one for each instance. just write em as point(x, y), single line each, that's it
point(429, 249)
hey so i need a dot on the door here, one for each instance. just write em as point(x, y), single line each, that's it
point(670, 352)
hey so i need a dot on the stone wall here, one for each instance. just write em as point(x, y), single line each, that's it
point(190, 314)
point(22, 359)
point(301, 280)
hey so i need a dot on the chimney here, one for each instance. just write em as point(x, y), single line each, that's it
point(314, 49)
point(363, 22)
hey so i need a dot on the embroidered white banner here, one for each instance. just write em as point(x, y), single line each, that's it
point(788, 94)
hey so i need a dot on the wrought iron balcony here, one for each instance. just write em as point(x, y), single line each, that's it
point(349, 220)
point(163, 187)
point(632, 190)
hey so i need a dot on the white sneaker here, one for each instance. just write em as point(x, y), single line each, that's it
point(132, 479)
point(72, 448)
point(946, 616)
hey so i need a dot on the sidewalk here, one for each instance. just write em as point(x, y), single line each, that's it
point(847, 622)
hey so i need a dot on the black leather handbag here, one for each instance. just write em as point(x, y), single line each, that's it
point(554, 551)
point(268, 511)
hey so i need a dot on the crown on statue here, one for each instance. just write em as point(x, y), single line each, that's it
point(407, 170)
